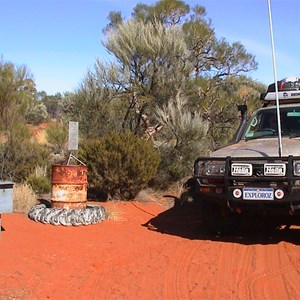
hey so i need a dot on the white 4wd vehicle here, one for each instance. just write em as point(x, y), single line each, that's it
point(259, 172)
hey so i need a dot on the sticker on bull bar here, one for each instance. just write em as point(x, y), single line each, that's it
point(258, 194)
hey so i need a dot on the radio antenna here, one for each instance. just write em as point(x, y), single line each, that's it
point(275, 80)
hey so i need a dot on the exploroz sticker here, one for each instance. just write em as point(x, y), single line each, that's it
point(258, 194)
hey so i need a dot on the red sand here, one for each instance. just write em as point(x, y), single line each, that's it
point(149, 252)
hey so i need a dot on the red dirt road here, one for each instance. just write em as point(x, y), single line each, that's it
point(149, 252)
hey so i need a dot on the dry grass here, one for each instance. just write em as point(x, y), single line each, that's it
point(23, 198)
point(164, 198)
point(112, 212)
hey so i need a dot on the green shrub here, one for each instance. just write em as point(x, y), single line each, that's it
point(37, 113)
point(120, 165)
point(57, 137)
point(18, 158)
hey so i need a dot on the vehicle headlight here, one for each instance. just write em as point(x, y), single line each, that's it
point(297, 168)
point(215, 168)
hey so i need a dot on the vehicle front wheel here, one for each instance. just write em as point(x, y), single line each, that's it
point(219, 219)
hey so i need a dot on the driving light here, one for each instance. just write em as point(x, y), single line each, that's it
point(238, 169)
point(215, 168)
point(274, 169)
point(297, 168)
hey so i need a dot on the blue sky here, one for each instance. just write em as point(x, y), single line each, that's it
point(60, 40)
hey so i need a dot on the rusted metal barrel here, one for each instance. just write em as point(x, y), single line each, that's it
point(69, 186)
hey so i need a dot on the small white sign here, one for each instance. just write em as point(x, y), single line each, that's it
point(73, 136)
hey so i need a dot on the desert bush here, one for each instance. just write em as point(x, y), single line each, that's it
point(120, 165)
point(19, 156)
point(23, 198)
point(181, 140)
point(37, 113)
point(57, 137)
point(39, 180)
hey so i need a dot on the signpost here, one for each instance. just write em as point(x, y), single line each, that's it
point(73, 141)
point(73, 136)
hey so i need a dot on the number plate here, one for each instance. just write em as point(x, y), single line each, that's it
point(258, 194)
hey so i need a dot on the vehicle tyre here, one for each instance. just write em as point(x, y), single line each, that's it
point(184, 199)
point(218, 220)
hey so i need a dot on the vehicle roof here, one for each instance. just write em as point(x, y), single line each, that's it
point(281, 106)
point(288, 91)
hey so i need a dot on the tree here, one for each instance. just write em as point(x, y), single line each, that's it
point(18, 154)
point(57, 138)
point(17, 93)
point(154, 61)
point(165, 50)
point(53, 104)
point(218, 104)
point(183, 136)
point(97, 104)
point(169, 47)
point(37, 113)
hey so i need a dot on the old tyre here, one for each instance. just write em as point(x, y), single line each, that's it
point(67, 217)
point(218, 219)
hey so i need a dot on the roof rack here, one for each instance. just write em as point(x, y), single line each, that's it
point(288, 91)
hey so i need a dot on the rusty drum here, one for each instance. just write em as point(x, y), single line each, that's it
point(69, 186)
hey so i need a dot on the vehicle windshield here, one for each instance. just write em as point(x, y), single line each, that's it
point(264, 123)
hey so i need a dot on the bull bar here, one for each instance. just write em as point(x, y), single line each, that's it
point(226, 182)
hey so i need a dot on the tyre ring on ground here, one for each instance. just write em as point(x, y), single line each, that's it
point(92, 214)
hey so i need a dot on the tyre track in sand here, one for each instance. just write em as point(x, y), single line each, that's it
point(143, 281)
point(181, 282)
point(235, 262)
point(276, 278)
point(97, 285)
point(293, 277)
